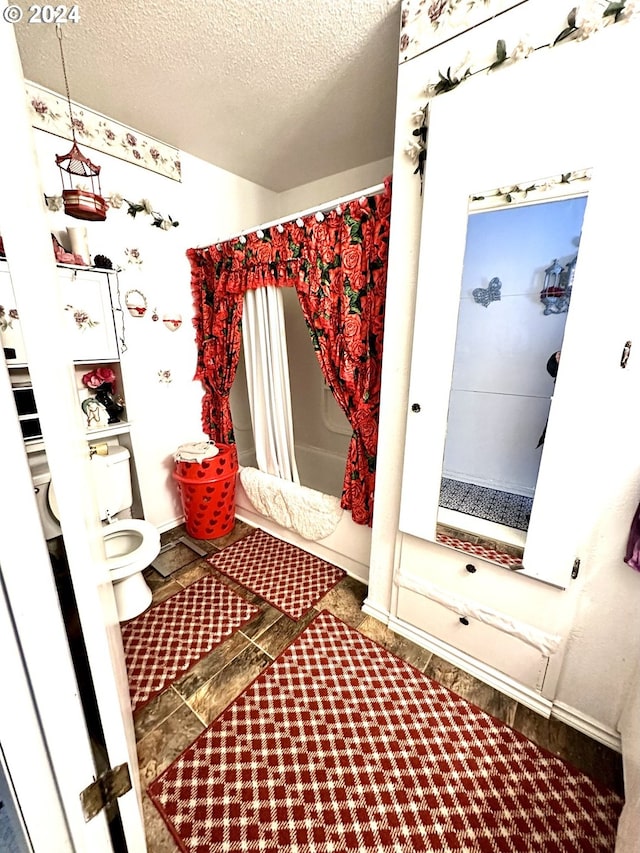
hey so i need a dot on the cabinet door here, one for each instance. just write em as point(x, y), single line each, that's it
point(10, 332)
point(88, 315)
point(475, 150)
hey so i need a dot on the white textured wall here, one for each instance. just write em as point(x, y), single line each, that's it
point(334, 186)
point(208, 200)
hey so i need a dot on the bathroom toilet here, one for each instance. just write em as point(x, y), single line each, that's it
point(130, 544)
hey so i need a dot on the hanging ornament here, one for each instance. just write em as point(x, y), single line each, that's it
point(79, 201)
point(172, 321)
point(136, 303)
point(155, 316)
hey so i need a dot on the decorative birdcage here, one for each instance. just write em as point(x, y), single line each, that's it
point(80, 201)
point(75, 168)
point(556, 293)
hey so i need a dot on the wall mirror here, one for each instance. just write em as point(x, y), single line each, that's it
point(517, 279)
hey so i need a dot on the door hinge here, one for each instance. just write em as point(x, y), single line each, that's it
point(576, 568)
point(110, 785)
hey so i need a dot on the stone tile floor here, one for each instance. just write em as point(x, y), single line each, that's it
point(167, 725)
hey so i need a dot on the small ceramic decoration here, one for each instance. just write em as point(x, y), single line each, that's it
point(102, 380)
point(485, 295)
point(172, 321)
point(95, 413)
point(136, 303)
point(155, 316)
point(113, 403)
point(164, 376)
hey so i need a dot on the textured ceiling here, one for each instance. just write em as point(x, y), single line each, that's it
point(282, 92)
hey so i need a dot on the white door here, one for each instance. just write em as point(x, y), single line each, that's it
point(23, 556)
point(519, 140)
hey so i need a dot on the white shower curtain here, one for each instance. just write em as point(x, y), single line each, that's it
point(267, 364)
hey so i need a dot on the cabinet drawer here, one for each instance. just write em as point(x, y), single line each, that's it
point(522, 597)
point(485, 643)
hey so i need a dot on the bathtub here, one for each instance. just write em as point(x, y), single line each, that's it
point(348, 546)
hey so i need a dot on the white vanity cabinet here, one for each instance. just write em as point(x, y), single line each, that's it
point(500, 626)
point(545, 117)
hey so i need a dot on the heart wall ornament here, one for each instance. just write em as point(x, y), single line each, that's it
point(172, 321)
point(485, 295)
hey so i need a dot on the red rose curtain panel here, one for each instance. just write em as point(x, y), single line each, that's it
point(338, 266)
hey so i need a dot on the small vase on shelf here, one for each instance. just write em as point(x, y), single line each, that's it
point(113, 404)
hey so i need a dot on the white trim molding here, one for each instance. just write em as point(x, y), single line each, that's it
point(587, 725)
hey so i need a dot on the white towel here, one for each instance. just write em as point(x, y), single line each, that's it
point(311, 514)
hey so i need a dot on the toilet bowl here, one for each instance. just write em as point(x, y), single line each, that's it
point(130, 544)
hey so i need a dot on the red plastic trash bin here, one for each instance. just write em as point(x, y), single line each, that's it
point(207, 486)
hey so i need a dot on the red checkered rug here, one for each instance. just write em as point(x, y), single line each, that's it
point(339, 746)
point(165, 641)
point(286, 576)
point(477, 550)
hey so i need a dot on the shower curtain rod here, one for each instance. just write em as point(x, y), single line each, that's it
point(323, 208)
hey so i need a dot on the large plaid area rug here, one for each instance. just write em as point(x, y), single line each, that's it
point(289, 578)
point(165, 641)
point(340, 746)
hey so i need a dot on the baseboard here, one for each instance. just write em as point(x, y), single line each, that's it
point(525, 696)
point(493, 677)
point(171, 525)
point(587, 725)
point(375, 611)
point(502, 486)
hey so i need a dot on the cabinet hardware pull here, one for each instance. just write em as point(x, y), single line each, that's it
point(464, 620)
point(626, 352)
point(470, 568)
point(415, 407)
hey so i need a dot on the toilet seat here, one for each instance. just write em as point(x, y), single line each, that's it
point(122, 561)
point(130, 546)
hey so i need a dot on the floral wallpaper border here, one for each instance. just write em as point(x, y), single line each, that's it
point(50, 112)
point(427, 23)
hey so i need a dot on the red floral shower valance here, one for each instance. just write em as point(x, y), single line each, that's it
point(339, 268)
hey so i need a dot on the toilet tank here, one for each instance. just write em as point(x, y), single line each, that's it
point(112, 481)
